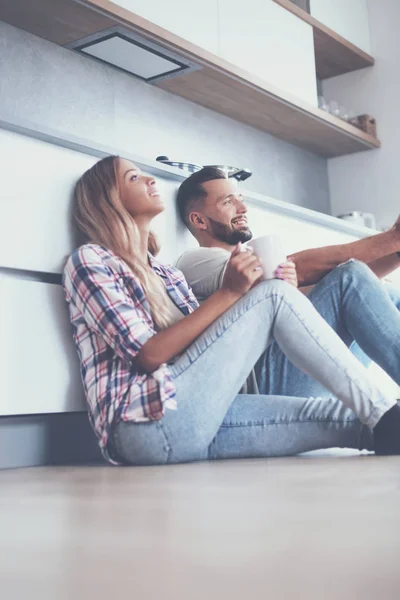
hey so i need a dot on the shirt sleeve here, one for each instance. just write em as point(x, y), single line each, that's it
point(204, 270)
point(100, 297)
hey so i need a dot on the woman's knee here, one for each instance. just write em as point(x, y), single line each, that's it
point(274, 287)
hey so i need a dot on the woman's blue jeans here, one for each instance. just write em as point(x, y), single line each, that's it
point(363, 312)
point(213, 422)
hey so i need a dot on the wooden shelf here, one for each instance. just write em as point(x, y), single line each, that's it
point(218, 85)
point(334, 55)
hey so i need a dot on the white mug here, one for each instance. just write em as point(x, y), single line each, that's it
point(270, 251)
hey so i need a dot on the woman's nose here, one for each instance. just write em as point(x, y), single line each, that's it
point(151, 181)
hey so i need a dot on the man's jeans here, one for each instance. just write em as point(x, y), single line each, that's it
point(362, 311)
point(214, 422)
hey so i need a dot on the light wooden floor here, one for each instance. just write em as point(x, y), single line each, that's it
point(303, 528)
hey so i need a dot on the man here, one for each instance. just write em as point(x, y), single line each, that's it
point(347, 293)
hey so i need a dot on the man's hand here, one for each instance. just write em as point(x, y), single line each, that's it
point(242, 272)
point(287, 272)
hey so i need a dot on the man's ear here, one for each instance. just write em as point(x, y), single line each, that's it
point(197, 220)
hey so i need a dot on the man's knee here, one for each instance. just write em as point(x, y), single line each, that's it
point(354, 270)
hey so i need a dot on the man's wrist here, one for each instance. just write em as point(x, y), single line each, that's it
point(392, 236)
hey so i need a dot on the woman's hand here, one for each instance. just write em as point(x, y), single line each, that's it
point(242, 272)
point(287, 272)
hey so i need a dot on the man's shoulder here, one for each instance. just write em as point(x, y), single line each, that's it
point(204, 269)
point(200, 254)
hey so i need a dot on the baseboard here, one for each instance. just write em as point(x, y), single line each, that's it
point(51, 439)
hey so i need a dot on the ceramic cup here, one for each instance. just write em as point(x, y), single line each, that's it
point(270, 251)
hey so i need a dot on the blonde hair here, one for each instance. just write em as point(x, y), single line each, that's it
point(102, 219)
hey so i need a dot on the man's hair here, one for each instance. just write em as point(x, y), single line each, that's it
point(192, 190)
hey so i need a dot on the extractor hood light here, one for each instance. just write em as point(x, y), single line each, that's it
point(133, 54)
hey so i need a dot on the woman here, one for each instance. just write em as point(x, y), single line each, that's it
point(162, 374)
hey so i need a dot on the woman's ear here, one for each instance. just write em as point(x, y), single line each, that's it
point(197, 220)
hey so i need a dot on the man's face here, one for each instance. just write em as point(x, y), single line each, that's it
point(225, 212)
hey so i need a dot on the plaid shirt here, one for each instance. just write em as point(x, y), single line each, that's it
point(111, 321)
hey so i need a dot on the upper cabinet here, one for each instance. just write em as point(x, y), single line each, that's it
point(260, 37)
point(252, 61)
point(348, 18)
point(341, 34)
point(181, 18)
point(271, 43)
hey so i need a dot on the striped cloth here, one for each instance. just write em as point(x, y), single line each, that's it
point(111, 321)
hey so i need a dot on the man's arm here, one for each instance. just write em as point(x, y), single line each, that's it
point(385, 266)
point(378, 251)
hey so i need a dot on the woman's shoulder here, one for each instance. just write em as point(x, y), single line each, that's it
point(91, 252)
point(90, 255)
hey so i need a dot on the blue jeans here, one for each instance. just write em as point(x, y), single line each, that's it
point(214, 422)
point(363, 312)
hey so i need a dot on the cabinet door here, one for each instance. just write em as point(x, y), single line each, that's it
point(197, 23)
point(39, 367)
point(270, 42)
point(348, 19)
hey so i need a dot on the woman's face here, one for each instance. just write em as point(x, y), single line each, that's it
point(138, 192)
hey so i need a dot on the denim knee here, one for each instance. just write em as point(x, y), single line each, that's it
point(277, 287)
point(354, 272)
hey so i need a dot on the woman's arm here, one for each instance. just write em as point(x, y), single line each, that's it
point(242, 271)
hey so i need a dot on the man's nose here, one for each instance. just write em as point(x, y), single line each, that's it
point(241, 207)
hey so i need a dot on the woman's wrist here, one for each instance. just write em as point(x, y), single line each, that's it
point(228, 296)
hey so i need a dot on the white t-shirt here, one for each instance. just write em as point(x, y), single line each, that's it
point(204, 270)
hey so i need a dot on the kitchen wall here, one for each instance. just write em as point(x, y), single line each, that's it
point(370, 181)
point(49, 85)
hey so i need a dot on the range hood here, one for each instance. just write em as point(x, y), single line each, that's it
point(134, 54)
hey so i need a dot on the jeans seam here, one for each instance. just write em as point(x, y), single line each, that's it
point(294, 422)
point(167, 447)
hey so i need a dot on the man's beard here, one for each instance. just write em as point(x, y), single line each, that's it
point(229, 235)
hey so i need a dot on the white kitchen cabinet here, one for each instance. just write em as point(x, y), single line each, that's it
point(195, 24)
point(347, 18)
point(270, 42)
point(39, 367)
